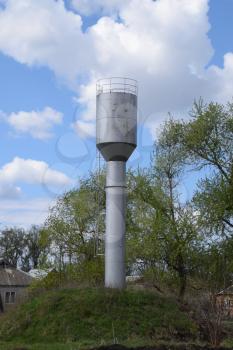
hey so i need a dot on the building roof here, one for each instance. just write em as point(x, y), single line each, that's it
point(10, 276)
point(39, 273)
point(226, 291)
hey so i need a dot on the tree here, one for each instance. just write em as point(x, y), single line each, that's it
point(26, 249)
point(215, 265)
point(36, 248)
point(72, 222)
point(12, 245)
point(208, 144)
point(171, 228)
point(180, 234)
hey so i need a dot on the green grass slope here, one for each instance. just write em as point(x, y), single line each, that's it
point(96, 316)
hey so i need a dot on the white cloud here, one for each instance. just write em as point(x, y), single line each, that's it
point(44, 33)
point(163, 44)
point(157, 43)
point(10, 192)
point(24, 213)
point(30, 172)
point(84, 129)
point(87, 7)
point(16, 209)
point(36, 123)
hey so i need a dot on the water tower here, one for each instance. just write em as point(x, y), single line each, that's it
point(116, 139)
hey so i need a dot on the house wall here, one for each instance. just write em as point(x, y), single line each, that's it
point(21, 293)
point(226, 303)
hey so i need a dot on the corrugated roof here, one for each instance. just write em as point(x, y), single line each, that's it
point(10, 276)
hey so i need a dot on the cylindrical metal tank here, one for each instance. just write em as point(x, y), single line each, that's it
point(116, 118)
point(116, 139)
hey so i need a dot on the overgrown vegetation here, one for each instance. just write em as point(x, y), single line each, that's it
point(97, 316)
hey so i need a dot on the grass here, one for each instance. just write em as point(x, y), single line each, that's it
point(84, 318)
point(77, 346)
point(59, 346)
point(15, 346)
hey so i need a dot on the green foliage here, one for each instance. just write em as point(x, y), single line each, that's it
point(215, 266)
point(89, 272)
point(73, 221)
point(208, 144)
point(203, 143)
point(26, 249)
point(12, 245)
point(162, 230)
point(161, 279)
point(53, 280)
point(150, 345)
point(214, 201)
point(98, 315)
point(208, 138)
point(55, 346)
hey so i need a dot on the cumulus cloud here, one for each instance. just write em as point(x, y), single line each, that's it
point(163, 44)
point(29, 171)
point(24, 213)
point(43, 33)
point(16, 208)
point(87, 7)
point(84, 129)
point(36, 123)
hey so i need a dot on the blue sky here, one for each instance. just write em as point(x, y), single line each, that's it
point(220, 15)
point(48, 76)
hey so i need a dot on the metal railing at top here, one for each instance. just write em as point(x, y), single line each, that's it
point(117, 84)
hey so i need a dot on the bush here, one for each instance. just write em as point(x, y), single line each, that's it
point(209, 317)
point(162, 281)
point(89, 272)
point(53, 280)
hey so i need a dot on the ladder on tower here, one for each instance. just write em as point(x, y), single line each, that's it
point(99, 233)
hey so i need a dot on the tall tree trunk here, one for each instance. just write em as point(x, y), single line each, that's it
point(183, 284)
point(182, 277)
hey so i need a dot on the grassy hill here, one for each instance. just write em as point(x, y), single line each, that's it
point(94, 317)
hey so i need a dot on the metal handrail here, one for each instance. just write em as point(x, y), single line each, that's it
point(117, 84)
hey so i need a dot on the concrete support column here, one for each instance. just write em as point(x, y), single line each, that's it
point(115, 225)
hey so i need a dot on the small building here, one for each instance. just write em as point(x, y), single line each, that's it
point(224, 300)
point(13, 285)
